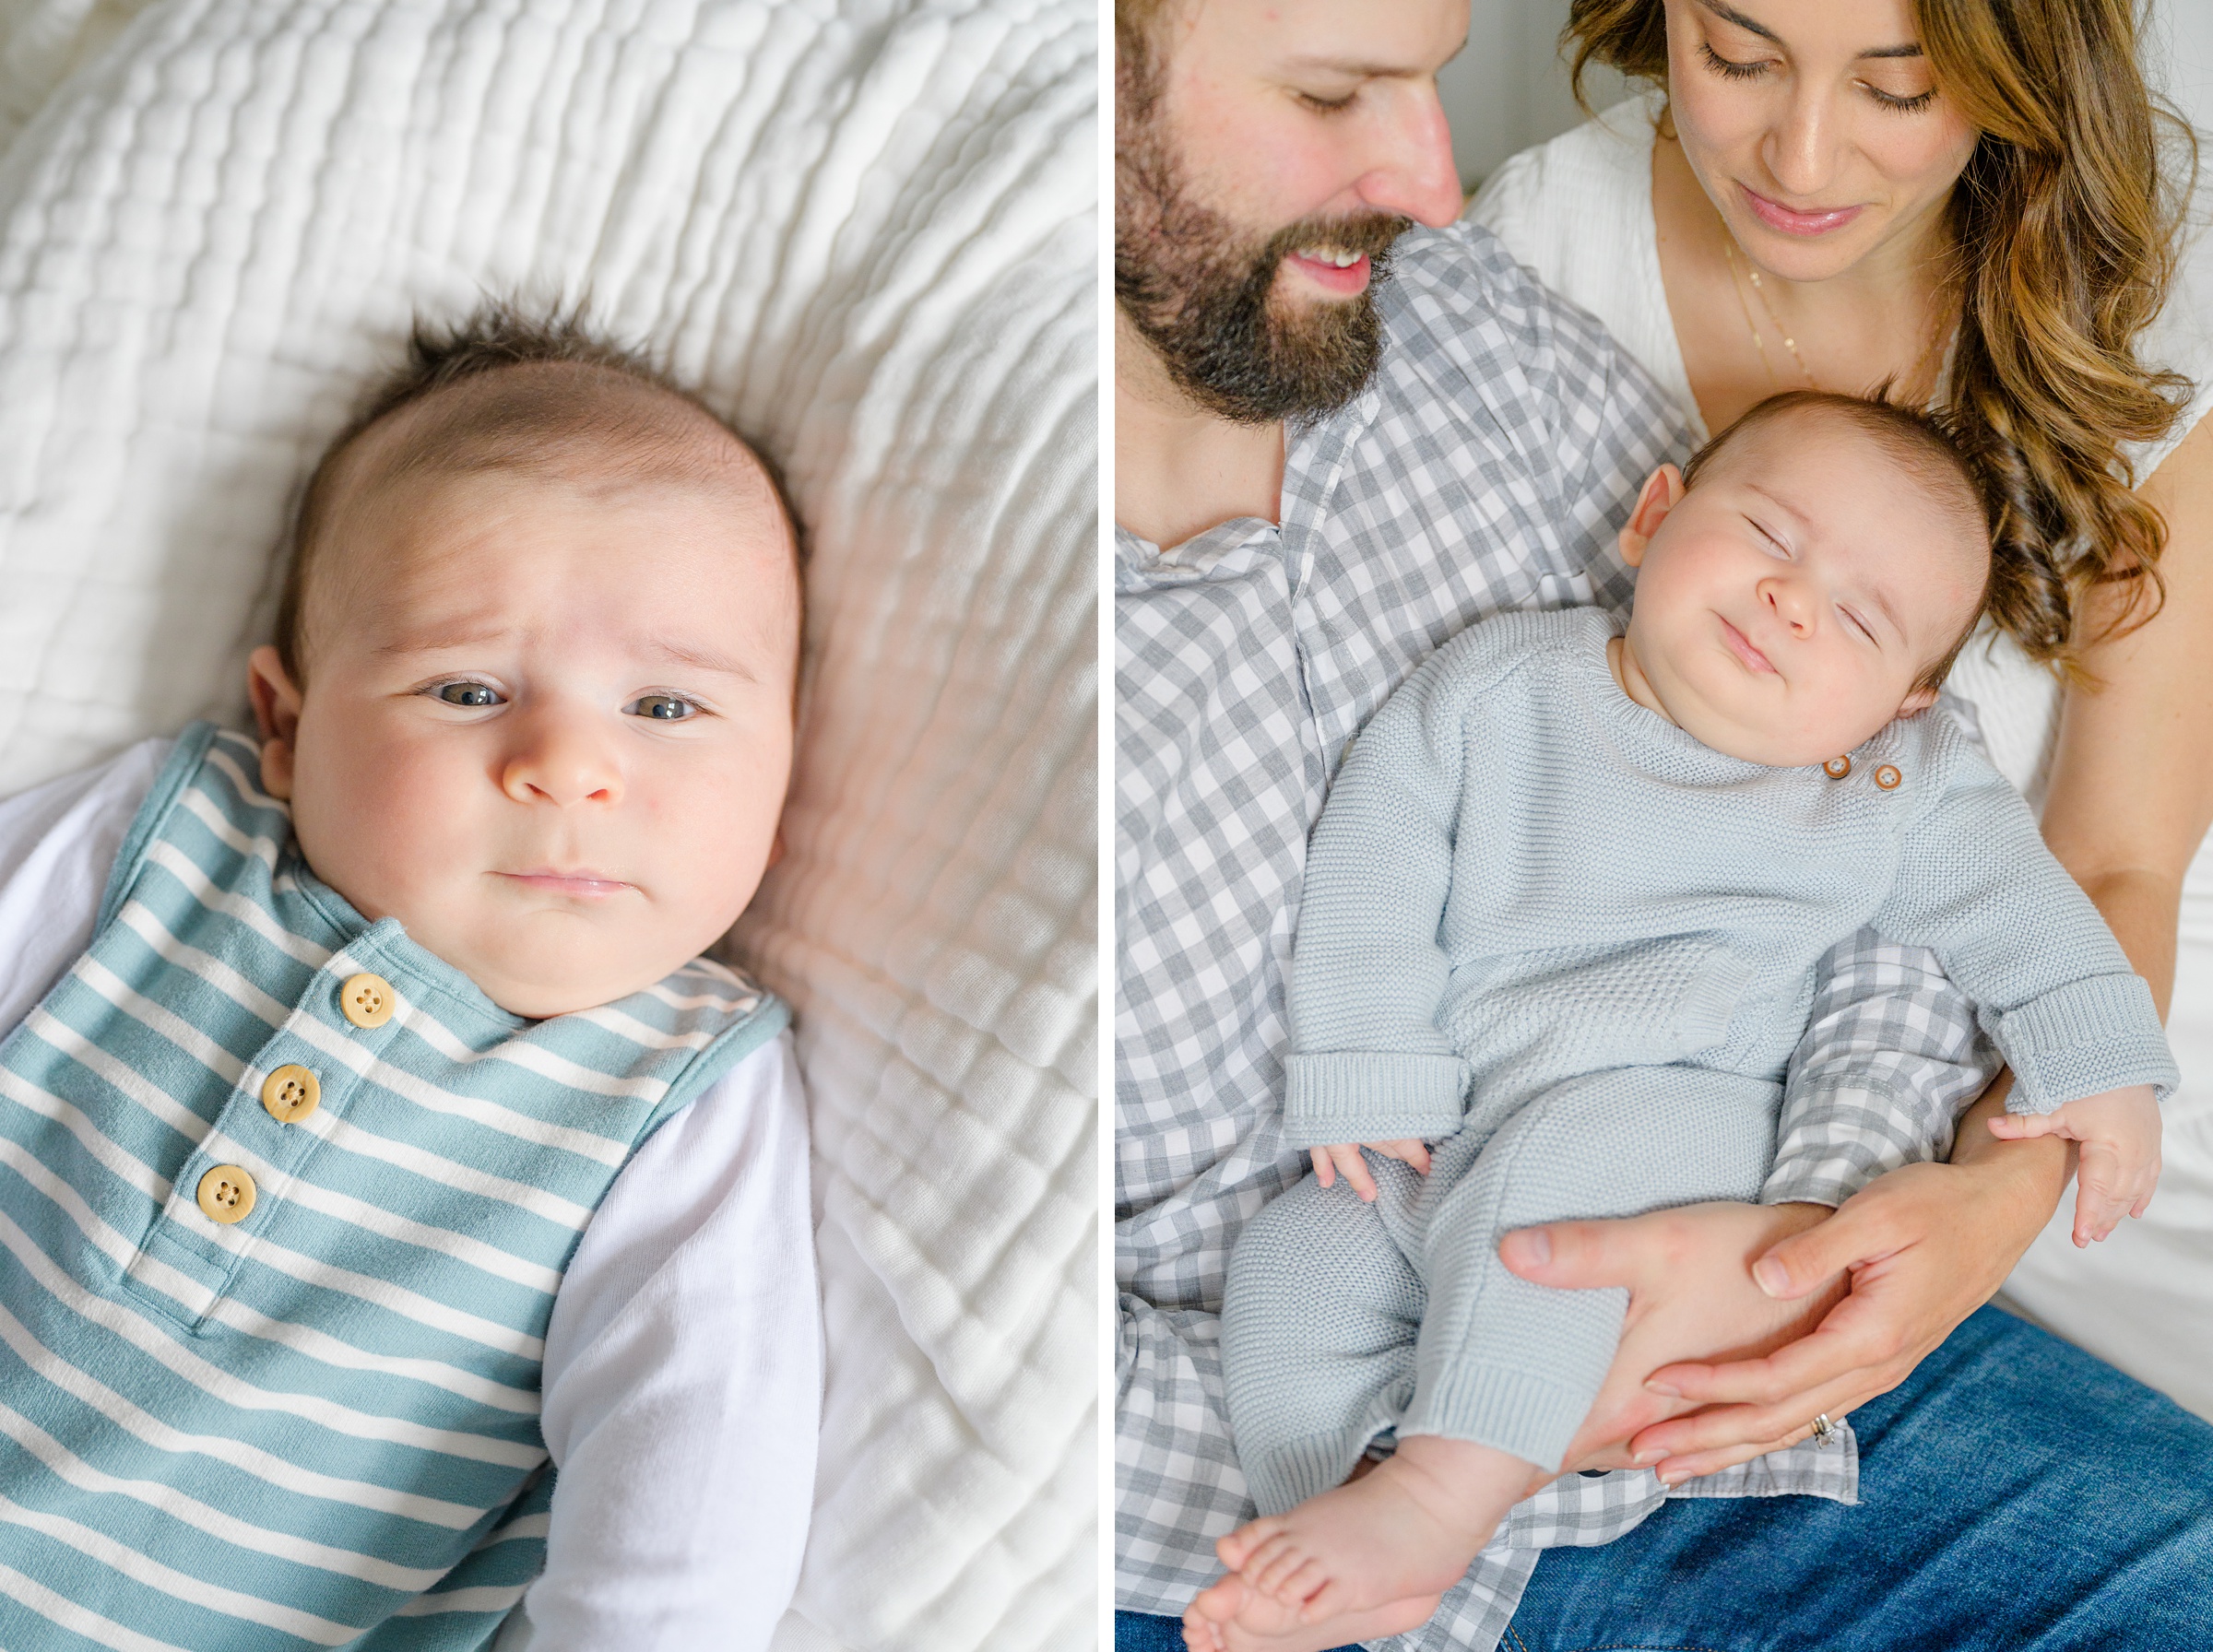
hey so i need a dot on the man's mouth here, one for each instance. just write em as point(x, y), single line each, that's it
point(1333, 268)
point(1750, 657)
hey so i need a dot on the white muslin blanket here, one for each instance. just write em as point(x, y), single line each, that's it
point(869, 231)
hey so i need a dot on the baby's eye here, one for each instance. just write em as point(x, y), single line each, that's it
point(467, 693)
point(1859, 625)
point(662, 708)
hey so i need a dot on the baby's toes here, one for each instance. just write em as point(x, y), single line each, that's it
point(1237, 1548)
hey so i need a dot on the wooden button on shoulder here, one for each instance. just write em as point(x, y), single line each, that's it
point(290, 1094)
point(226, 1194)
point(367, 1000)
point(1887, 778)
point(1836, 767)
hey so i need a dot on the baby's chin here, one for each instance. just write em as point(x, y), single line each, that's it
point(534, 976)
point(1775, 748)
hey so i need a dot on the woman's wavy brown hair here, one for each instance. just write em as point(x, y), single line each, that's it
point(2064, 229)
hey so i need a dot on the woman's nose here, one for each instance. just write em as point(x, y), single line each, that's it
point(1801, 148)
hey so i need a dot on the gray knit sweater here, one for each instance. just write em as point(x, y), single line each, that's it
point(1522, 876)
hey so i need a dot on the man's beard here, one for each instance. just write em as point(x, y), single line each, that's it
point(1197, 291)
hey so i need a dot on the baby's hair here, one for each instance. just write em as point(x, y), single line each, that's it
point(1926, 444)
point(529, 428)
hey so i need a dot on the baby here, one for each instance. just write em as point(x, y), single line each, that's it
point(371, 1130)
point(1563, 910)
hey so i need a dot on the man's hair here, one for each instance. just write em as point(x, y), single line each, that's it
point(1923, 442)
point(527, 426)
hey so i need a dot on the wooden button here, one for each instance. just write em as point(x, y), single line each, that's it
point(1887, 778)
point(227, 1194)
point(367, 1000)
point(290, 1094)
point(1836, 767)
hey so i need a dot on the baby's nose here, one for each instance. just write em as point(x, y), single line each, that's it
point(1794, 605)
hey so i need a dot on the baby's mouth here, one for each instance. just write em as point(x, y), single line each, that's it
point(580, 884)
point(1741, 646)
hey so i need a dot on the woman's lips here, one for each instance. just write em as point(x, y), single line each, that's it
point(1741, 646)
point(1793, 220)
point(587, 885)
point(1326, 273)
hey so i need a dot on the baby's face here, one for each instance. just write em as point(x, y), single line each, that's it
point(547, 725)
point(1787, 604)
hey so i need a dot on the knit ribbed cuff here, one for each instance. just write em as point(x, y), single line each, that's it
point(1285, 1476)
point(1519, 1412)
point(1368, 1095)
point(2083, 1040)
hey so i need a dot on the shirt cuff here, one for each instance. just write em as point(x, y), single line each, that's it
point(1839, 1136)
point(2085, 1039)
point(1371, 1095)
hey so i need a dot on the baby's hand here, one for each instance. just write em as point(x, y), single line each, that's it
point(1328, 1161)
point(2119, 1165)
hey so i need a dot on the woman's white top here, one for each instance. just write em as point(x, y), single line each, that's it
point(683, 1375)
point(1578, 212)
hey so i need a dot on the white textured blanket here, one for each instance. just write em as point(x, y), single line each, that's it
point(869, 231)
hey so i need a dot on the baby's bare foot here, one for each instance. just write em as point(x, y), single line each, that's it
point(1405, 1532)
point(1229, 1617)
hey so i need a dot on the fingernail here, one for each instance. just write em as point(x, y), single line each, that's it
point(1673, 1479)
point(1663, 1388)
point(1647, 1457)
point(1536, 1247)
point(1770, 1276)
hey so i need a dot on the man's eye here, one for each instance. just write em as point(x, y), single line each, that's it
point(1322, 105)
point(661, 708)
point(466, 694)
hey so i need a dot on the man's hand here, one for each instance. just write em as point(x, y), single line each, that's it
point(1888, 1276)
point(1689, 1272)
point(2118, 1163)
point(1345, 1157)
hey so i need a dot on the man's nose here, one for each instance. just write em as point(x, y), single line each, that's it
point(556, 757)
point(1414, 174)
point(1791, 602)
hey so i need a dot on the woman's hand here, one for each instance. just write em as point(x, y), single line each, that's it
point(1849, 1303)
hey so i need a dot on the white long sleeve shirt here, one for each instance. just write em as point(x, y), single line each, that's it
point(682, 1373)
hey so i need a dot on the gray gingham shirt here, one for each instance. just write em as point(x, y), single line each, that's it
point(1485, 468)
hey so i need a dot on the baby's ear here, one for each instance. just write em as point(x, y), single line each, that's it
point(1663, 492)
point(277, 714)
point(1920, 700)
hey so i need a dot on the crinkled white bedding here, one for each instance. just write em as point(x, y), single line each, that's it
point(869, 231)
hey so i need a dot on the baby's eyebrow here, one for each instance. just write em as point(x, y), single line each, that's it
point(442, 642)
point(700, 659)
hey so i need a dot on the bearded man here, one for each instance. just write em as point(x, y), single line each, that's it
point(1340, 439)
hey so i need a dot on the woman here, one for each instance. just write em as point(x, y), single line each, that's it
point(1977, 205)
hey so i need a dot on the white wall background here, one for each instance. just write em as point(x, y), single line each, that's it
point(1508, 89)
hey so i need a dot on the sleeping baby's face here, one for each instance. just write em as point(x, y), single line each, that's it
point(547, 719)
point(1793, 601)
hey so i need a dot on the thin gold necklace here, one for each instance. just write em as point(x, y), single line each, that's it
point(1739, 273)
point(1744, 272)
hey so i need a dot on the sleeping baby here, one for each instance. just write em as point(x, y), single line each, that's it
point(396, 1207)
point(1563, 910)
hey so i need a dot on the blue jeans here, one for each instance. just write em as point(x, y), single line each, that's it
point(2016, 1496)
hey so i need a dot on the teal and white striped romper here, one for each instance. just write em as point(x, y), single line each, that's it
point(313, 1423)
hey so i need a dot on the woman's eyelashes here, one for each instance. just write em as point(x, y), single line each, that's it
point(1732, 68)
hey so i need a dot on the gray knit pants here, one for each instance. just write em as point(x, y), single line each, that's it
point(1341, 1320)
